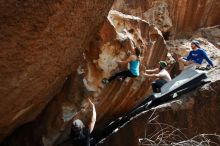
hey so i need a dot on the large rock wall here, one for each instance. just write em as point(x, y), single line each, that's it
point(211, 34)
point(193, 114)
point(179, 18)
point(47, 44)
point(113, 42)
point(42, 42)
point(188, 16)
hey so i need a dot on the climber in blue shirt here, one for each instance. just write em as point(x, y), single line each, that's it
point(133, 71)
point(196, 56)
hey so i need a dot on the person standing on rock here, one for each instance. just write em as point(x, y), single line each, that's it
point(196, 56)
point(160, 73)
point(133, 71)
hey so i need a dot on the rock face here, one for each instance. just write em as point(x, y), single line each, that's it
point(184, 17)
point(55, 54)
point(42, 42)
point(79, 63)
point(155, 12)
point(211, 34)
point(188, 16)
point(113, 42)
point(178, 121)
point(116, 37)
point(194, 112)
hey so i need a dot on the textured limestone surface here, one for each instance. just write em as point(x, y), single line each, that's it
point(174, 18)
point(55, 53)
point(42, 42)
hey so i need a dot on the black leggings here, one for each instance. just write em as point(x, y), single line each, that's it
point(157, 84)
point(124, 74)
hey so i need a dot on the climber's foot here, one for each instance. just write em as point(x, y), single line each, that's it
point(105, 81)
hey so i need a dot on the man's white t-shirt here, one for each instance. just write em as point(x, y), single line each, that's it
point(165, 75)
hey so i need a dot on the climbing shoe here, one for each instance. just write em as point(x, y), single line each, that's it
point(105, 81)
point(120, 79)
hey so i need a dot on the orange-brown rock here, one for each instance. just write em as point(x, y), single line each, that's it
point(42, 42)
point(155, 12)
point(61, 50)
point(193, 114)
point(211, 34)
point(115, 43)
point(184, 17)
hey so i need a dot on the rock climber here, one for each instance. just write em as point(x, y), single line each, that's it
point(133, 71)
point(161, 73)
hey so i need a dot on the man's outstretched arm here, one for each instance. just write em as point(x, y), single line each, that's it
point(152, 70)
point(92, 121)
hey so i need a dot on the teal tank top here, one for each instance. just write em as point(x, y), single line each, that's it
point(134, 67)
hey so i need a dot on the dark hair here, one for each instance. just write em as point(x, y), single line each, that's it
point(138, 52)
point(163, 65)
